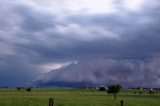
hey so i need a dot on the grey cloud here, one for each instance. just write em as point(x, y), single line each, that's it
point(33, 20)
point(103, 71)
point(33, 36)
point(136, 37)
point(15, 71)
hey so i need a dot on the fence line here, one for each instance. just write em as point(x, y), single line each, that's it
point(51, 102)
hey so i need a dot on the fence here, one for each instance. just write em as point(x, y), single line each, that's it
point(51, 102)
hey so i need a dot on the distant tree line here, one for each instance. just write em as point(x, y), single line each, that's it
point(27, 89)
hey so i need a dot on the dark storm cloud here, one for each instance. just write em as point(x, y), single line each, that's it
point(33, 20)
point(40, 37)
point(103, 71)
point(43, 33)
point(138, 31)
point(16, 71)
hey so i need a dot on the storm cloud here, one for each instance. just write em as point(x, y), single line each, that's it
point(104, 71)
point(82, 42)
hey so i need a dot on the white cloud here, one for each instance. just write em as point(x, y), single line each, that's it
point(133, 4)
point(67, 7)
point(137, 5)
point(77, 6)
point(54, 66)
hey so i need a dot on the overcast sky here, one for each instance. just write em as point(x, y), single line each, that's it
point(79, 42)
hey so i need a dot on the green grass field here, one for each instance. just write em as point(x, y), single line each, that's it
point(74, 97)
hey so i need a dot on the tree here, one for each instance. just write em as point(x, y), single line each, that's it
point(18, 88)
point(114, 89)
point(151, 91)
point(28, 89)
point(102, 88)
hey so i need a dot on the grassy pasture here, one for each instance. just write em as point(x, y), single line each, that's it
point(74, 97)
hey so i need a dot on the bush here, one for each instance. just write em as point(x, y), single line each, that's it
point(18, 88)
point(151, 92)
point(28, 89)
point(102, 88)
point(140, 92)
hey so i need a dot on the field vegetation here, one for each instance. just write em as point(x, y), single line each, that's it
point(76, 97)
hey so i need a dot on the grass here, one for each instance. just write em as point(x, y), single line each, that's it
point(74, 97)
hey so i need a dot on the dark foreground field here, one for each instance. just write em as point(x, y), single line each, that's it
point(74, 97)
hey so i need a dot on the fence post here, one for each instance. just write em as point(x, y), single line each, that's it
point(51, 102)
point(122, 102)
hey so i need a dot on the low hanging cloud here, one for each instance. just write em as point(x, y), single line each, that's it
point(37, 34)
point(103, 71)
point(15, 71)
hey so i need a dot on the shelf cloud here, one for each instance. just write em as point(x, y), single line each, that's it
point(79, 42)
